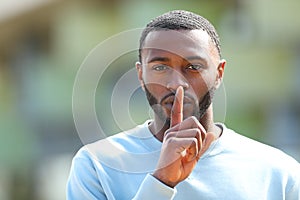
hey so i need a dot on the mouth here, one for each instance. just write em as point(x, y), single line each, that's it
point(168, 102)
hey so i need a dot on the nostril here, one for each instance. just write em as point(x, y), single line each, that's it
point(174, 85)
point(185, 85)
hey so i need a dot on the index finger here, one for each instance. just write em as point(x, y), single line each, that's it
point(177, 108)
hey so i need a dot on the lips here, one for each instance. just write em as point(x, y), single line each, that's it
point(170, 100)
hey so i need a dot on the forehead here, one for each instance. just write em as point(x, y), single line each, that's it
point(184, 43)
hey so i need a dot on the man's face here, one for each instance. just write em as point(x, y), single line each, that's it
point(179, 58)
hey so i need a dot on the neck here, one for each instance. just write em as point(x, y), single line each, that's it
point(158, 127)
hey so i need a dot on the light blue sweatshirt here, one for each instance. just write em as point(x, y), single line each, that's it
point(233, 168)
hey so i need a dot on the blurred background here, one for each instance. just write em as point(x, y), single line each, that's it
point(44, 42)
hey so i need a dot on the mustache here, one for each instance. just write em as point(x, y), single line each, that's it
point(173, 94)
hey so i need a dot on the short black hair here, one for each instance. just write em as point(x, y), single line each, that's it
point(180, 20)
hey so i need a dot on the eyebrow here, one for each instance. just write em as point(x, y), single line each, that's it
point(189, 58)
point(165, 59)
point(161, 59)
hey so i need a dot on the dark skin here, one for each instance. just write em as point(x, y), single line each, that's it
point(186, 64)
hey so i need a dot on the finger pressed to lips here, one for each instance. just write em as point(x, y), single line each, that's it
point(184, 135)
point(170, 100)
point(177, 107)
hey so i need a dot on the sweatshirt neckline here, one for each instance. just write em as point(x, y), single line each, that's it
point(153, 144)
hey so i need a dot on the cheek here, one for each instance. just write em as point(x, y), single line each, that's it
point(155, 88)
point(154, 83)
point(200, 83)
point(208, 79)
point(200, 86)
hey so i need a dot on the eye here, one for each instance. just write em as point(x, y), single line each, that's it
point(195, 67)
point(160, 67)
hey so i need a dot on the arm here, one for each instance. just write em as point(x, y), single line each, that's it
point(294, 191)
point(83, 182)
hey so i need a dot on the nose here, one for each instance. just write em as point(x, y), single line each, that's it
point(175, 80)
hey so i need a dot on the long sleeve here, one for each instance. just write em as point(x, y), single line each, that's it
point(83, 182)
point(151, 188)
point(293, 192)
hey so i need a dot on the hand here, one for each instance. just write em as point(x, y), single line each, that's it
point(183, 144)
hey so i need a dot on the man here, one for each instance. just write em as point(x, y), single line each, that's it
point(181, 153)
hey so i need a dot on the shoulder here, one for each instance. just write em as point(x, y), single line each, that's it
point(126, 151)
point(119, 142)
point(261, 158)
point(257, 151)
point(129, 140)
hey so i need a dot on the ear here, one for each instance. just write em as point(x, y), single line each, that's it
point(139, 68)
point(220, 73)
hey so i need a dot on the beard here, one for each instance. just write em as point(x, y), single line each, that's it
point(198, 111)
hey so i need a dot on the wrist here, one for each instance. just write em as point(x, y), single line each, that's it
point(161, 177)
